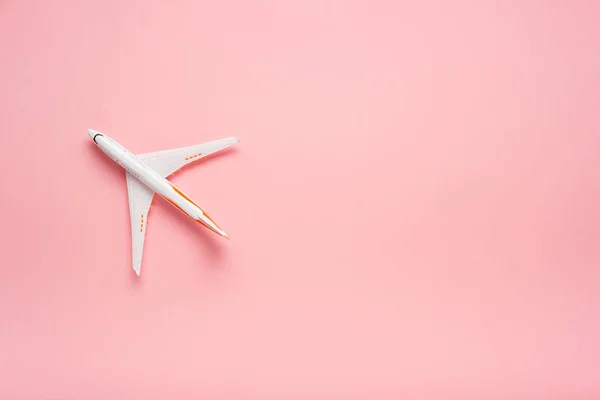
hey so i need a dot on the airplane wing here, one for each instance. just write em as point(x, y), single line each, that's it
point(140, 198)
point(166, 162)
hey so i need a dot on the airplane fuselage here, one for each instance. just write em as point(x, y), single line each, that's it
point(154, 180)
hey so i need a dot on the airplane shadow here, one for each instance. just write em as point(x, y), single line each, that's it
point(102, 162)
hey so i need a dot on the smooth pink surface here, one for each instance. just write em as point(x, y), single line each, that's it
point(414, 207)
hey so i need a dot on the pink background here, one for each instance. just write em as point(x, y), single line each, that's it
point(414, 207)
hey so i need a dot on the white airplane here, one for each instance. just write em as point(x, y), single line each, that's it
point(146, 175)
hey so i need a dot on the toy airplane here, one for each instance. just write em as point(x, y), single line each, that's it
point(146, 175)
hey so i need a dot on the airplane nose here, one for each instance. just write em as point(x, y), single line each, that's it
point(92, 133)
